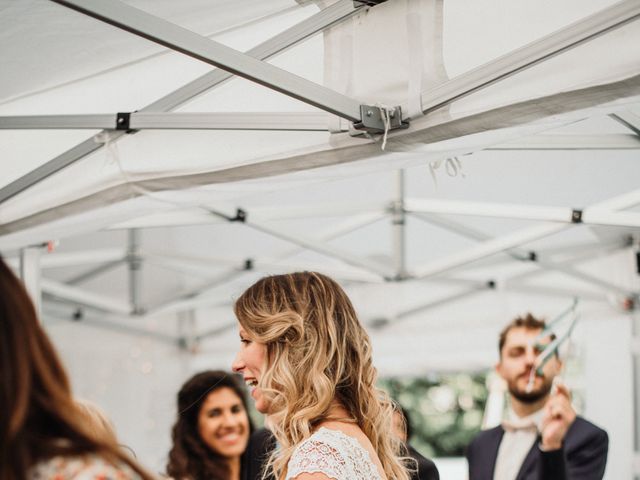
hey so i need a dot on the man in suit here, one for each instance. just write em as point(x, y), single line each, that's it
point(261, 444)
point(542, 438)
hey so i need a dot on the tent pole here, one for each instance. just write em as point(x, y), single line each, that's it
point(325, 18)
point(467, 124)
point(106, 258)
point(187, 330)
point(611, 219)
point(556, 292)
point(343, 228)
point(94, 272)
point(610, 141)
point(398, 223)
point(532, 54)
point(114, 324)
point(573, 259)
point(316, 23)
point(217, 54)
point(75, 295)
point(318, 246)
point(468, 232)
point(615, 16)
point(533, 257)
point(520, 237)
point(270, 121)
point(489, 209)
point(293, 121)
point(223, 278)
point(588, 216)
point(629, 120)
point(134, 263)
point(486, 249)
point(473, 290)
point(82, 257)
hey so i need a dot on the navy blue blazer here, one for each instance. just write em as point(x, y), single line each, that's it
point(261, 444)
point(427, 470)
point(583, 455)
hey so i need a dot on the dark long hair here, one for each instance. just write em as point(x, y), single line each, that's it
point(191, 458)
point(39, 418)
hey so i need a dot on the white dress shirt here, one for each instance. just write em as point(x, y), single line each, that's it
point(520, 433)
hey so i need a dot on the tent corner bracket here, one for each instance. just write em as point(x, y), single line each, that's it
point(378, 119)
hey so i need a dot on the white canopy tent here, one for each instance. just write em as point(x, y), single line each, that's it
point(452, 164)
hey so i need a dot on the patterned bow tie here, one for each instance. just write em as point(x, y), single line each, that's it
point(517, 425)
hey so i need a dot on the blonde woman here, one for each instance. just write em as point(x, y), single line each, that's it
point(307, 359)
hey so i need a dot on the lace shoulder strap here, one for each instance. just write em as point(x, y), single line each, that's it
point(334, 454)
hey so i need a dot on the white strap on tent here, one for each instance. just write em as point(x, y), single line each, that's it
point(429, 70)
point(416, 51)
point(339, 77)
point(110, 147)
point(426, 59)
point(385, 112)
point(113, 157)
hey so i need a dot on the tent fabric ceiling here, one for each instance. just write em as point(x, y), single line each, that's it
point(167, 173)
point(531, 101)
point(52, 46)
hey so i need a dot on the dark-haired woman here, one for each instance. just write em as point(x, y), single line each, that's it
point(43, 432)
point(212, 429)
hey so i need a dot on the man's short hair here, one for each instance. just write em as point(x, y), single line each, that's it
point(527, 321)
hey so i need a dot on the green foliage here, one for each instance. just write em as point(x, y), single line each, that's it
point(446, 410)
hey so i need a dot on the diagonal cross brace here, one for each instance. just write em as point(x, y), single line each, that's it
point(214, 53)
point(316, 23)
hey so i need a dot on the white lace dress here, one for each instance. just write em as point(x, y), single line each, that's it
point(335, 454)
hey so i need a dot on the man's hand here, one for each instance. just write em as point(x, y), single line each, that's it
point(558, 417)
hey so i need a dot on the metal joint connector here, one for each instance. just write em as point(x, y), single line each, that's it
point(241, 216)
point(379, 119)
point(367, 3)
point(123, 122)
point(576, 216)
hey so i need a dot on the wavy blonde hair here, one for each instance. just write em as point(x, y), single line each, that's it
point(318, 354)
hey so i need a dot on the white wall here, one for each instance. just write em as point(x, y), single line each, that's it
point(134, 379)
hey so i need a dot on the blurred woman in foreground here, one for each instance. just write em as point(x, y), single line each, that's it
point(43, 432)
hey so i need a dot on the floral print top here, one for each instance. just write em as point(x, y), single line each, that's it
point(88, 467)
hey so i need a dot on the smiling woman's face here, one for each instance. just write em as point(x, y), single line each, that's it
point(251, 361)
point(223, 424)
